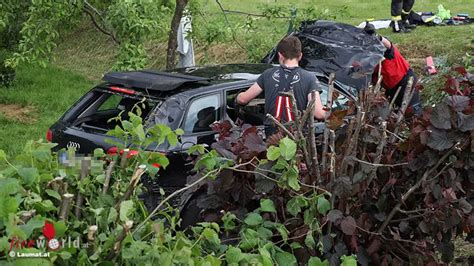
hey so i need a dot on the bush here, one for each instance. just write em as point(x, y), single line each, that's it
point(7, 74)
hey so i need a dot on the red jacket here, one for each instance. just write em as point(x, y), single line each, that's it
point(394, 68)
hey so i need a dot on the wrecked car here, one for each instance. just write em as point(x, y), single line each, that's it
point(194, 98)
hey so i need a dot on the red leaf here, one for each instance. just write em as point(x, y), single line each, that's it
point(461, 70)
point(449, 194)
point(348, 225)
point(353, 244)
point(374, 246)
point(48, 230)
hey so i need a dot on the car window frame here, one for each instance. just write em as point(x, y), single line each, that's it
point(188, 105)
point(242, 87)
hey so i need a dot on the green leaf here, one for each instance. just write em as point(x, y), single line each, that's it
point(60, 228)
point(250, 239)
point(285, 258)
point(323, 205)
point(198, 148)
point(282, 231)
point(34, 223)
point(348, 260)
point(287, 148)
point(179, 131)
point(315, 261)
point(309, 240)
point(234, 255)
point(98, 153)
point(112, 217)
point(45, 206)
point(53, 193)
point(126, 208)
point(9, 186)
point(264, 233)
point(3, 156)
point(211, 236)
point(253, 219)
point(228, 220)
point(292, 175)
point(295, 204)
point(273, 153)
point(32, 261)
point(266, 257)
point(266, 205)
point(29, 175)
point(65, 255)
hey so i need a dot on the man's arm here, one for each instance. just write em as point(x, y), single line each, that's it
point(319, 112)
point(245, 97)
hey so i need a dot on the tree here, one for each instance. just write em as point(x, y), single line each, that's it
point(128, 23)
point(172, 39)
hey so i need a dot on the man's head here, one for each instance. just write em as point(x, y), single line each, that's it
point(289, 48)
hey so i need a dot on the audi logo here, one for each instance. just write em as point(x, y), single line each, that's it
point(73, 145)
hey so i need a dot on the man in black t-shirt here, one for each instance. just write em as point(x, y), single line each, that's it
point(286, 77)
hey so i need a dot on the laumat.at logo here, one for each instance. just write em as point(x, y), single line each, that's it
point(46, 242)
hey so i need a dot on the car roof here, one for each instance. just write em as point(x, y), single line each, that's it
point(193, 80)
point(170, 82)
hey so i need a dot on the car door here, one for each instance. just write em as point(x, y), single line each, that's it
point(200, 112)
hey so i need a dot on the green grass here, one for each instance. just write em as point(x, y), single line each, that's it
point(49, 91)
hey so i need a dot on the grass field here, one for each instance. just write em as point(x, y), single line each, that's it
point(41, 95)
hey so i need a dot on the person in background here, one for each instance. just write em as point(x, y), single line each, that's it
point(401, 10)
point(396, 73)
point(288, 76)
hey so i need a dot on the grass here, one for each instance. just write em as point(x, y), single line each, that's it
point(84, 54)
point(47, 93)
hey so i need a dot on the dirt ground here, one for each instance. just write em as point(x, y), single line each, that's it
point(16, 112)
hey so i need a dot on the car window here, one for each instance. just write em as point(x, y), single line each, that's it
point(201, 113)
point(339, 103)
point(252, 113)
point(111, 103)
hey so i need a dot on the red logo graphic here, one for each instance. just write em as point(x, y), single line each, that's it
point(48, 230)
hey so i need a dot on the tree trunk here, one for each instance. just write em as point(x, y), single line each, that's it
point(172, 39)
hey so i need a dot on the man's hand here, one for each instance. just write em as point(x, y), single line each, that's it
point(318, 112)
point(370, 28)
point(245, 97)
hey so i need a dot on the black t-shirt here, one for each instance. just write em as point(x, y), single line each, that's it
point(273, 81)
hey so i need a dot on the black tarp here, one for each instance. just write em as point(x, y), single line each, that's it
point(331, 47)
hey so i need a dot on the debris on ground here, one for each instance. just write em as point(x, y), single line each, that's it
point(16, 112)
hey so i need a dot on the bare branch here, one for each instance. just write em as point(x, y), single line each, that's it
point(281, 126)
point(88, 11)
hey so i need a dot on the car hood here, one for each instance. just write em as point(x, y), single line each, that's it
point(331, 47)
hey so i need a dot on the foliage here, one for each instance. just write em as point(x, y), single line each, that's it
point(40, 30)
point(406, 199)
point(134, 22)
point(130, 23)
point(257, 206)
point(7, 74)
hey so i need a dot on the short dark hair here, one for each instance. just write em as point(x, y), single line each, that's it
point(289, 47)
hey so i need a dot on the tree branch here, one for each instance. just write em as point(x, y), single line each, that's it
point(96, 24)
